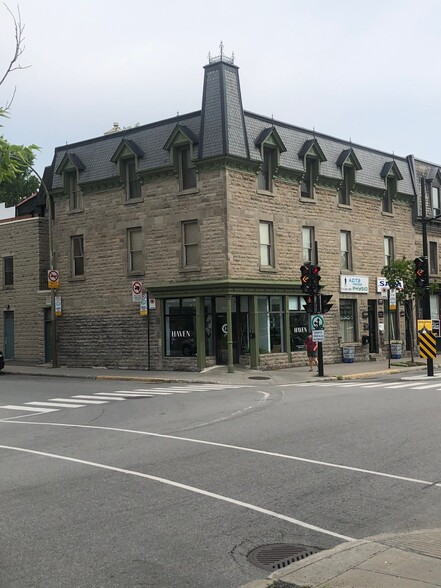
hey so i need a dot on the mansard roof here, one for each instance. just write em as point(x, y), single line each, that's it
point(270, 133)
point(73, 160)
point(181, 131)
point(222, 128)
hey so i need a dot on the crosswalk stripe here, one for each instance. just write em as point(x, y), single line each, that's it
point(57, 404)
point(123, 395)
point(101, 397)
point(28, 408)
point(425, 386)
point(393, 386)
point(82, 401)
point(152, 392)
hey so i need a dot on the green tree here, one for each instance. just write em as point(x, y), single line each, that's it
point(14, 159)
point(400, 275)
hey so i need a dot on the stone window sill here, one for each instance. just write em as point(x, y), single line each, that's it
point(134, 201)
point(344, 206)
point(265, 193)
point(77, 279)
point(307, 200)
point(188, 191)
point(75, 211)
point(384, 213)
point(190, 268)
point(268, 269)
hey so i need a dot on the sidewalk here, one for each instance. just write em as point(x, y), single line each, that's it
point(220, 375)
point(407, 560)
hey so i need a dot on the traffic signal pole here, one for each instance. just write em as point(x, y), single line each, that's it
point(426, 292)
point(318, 307)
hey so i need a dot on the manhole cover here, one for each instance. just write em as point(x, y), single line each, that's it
point(279, 555)
point(259, 378)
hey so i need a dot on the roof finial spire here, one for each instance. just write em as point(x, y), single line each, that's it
point(313, 132)
point(221, 56)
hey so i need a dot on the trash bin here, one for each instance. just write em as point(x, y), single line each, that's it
point(348, 354)
point(395, 350)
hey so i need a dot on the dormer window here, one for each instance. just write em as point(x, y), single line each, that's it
point(132, 183)
point(70, 169)
point(186, 169)
point(265, 177)
point(312, 155)
point(307, 185)
point(181, 145)
point(271, 146)
point(389, 193)
point(127, 157)
point(73, 190)
point(391, 175)
point(349, 164)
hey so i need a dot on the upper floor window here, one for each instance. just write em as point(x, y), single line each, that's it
point(134, 251)
point(77, 255)
point(8, 271)
point(433, 257)
point(307, 185)
point(73, 190)
point(308, 244)
point(266, 244)
point(436, 205)
point(190, 243)
point(268, 167)
point(345, 250)
point(187, 171)
point(391, 175)
point(271, 146)
point(132, 182)
point(344, 194)
point(389, 193)
point(349, 165)
point(388, 250)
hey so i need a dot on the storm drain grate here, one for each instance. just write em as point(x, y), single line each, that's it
point(276, 556)
point(259, 378)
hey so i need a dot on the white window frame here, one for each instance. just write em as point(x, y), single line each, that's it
point(388, 250)
point(266, 242)
point(345, 250)
point(191, 254)
point(134, 256)
point(436, 201)
point(308, 244)
point(76, 273)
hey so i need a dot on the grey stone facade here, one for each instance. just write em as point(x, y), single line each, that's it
point(230, 151)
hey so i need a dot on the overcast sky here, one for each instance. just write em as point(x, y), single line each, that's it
point(366, 70)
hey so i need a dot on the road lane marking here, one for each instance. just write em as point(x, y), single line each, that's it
point(101, 397)
point(35, 410)
point(82, 402)
point(235, 447)
point(57, 404)
point(183, 487)
point(125, 394)
point(425, 386)
point(154, 393)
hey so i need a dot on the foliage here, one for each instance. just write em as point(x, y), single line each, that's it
point(14, 190)
point(14, 159)
point(403, 270)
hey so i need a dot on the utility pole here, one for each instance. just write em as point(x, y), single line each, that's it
point(426, 292)
point(49, 208)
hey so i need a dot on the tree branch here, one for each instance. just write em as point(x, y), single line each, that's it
point(19, 48)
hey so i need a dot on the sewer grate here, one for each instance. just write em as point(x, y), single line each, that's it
point(259, 378)
point(276, 556)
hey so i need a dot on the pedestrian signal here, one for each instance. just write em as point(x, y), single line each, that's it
point(324, 303)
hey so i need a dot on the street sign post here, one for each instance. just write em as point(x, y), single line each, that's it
point(318, 327)
point(53, 279)
point(136, 291)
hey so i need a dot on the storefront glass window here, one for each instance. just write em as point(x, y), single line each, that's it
point(298, 323)
point(271, 337)
point(394, 318)
point(347, 321)
point(180, 327)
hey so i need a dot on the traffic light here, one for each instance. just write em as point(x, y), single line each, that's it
point(315, 279)
point(421, 275)
point(305, 278)
point(324, 303)
point(309, 306)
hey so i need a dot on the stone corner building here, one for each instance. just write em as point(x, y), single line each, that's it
point(207, 217)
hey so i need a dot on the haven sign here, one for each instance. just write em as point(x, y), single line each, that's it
point(354, 284)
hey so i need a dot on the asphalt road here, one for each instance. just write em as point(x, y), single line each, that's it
point(174, 487)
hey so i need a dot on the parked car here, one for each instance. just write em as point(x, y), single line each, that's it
point(2, 360)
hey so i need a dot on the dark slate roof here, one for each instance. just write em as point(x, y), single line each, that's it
point(222, 127)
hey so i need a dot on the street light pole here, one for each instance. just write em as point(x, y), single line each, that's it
point(426, 293)
point(49, 207)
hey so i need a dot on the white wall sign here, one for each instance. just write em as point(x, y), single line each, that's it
point(382, 283)
point(354, 284)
